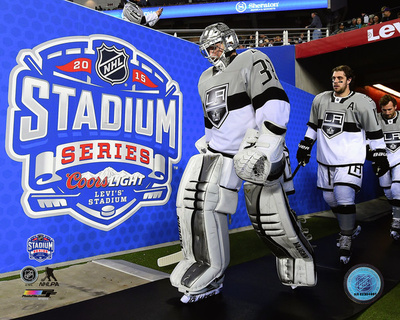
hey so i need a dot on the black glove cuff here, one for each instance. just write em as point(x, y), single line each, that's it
point(306, 144)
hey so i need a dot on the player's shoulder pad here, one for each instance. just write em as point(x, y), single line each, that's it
point(251, 55)
point(206, 74)
point(319, 96)
point(364, 100)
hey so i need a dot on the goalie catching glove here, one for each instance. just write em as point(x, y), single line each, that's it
point(304, 152)
point(380, 163)
point(260, 157)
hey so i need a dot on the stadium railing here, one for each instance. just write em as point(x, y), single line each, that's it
point(256, 37)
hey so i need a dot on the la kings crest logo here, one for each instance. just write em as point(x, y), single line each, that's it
point(97, 125)
point(392, 140)
point(333, 123)
point(216, 107)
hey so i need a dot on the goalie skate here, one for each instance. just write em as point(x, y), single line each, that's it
point(190, 298)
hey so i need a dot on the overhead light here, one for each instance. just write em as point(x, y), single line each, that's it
point(386, 89)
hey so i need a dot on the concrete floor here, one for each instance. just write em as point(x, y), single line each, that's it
point(75, 283)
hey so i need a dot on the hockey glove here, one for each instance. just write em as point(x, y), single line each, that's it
point(369, 153)
point(304, 152)
point(380, 163)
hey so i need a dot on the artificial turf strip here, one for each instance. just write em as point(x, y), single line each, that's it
point(386, 308)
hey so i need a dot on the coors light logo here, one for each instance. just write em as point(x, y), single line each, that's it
point(97, 126)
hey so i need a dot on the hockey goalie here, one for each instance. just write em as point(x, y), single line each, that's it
point(246, 112)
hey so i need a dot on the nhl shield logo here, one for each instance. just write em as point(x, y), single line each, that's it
point(216, 105)
point(112, 64)
point(333, 123)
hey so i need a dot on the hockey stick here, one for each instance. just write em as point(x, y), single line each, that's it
point(295, 170)
point(170, 259)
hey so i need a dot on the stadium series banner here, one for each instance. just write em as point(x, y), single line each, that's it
point(97, 125)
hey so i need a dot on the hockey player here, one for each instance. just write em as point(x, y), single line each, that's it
point(341, 120)
point(390, 181)
point(133, 13)
point(246, 112)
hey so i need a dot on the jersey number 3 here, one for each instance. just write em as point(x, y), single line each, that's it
point(267, 69)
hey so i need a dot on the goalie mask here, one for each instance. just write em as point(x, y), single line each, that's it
point(133, 13)
point(218, 36)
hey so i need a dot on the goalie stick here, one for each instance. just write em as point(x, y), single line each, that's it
point(170, 259)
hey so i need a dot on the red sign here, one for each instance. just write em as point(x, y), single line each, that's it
point(354, 38)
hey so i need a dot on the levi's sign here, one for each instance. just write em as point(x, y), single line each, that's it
point(97, 126)
point(384, 32)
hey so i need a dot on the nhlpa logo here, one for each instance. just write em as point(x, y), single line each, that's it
point(112, 64)
point(40, 247)
point(97, 125)
point(216, 106)
point(333, 123)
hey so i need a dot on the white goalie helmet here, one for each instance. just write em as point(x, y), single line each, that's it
point(132, 13)
point(218, 33)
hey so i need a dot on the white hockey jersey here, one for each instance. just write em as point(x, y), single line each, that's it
point(391, 132)
point(342, 126)
point(243, 96)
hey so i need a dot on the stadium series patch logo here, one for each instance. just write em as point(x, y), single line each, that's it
point(40, 247)
point(97, 126)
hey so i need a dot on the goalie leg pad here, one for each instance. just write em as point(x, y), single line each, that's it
point(277, 226)
point(202, 208)
point(296, 272)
